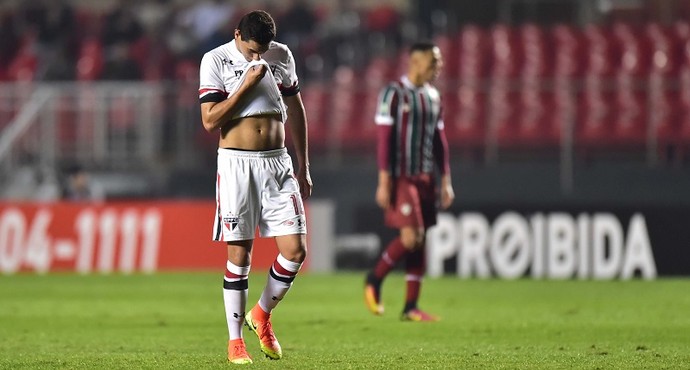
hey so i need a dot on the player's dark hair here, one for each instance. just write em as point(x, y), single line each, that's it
point(422, 46)
point(257, 25)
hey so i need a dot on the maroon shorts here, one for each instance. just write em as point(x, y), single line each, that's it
point(413, 202)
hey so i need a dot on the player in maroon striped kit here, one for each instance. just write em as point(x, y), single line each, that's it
point(411, 147)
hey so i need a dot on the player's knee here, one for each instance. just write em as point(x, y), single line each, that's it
point(409, 241)
point(300, 255)
point(297, 254)
point(413, 241)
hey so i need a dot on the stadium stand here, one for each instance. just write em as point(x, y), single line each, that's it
point(90, 60)
point(465, 107)
point(619, 84)
point(593, 124)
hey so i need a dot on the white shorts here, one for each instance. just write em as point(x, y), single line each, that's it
point(256, 189)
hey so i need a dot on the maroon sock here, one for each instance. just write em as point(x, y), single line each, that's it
point(389, 258)
point(414, 271)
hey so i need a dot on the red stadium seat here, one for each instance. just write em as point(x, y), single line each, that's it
point(362, 133)
point(593, 127)
point(503, 99)
point(346, 106)
point(450, 56)
point(464, 117)
point(664, 114)
point(665, 50)
point(502, 108)
point(505, 52)
point(599, 51)
point(664, 105)
point(683, 128)
point(315, 98)
point(464, 102)
point(473, 53)
point(538, 124)
point(634, 56)
point(568, 60)
point(630, 113)
point(630, 103)
point(568, 66)
point(536, 50)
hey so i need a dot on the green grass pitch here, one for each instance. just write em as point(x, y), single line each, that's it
point(176, 320)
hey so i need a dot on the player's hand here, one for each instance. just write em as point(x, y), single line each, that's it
point(447, 193)
point(383, 190)
point(305, 184)
point(254, 74)
point(383, 195)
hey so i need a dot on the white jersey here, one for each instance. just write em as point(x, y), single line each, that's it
point(223, 70)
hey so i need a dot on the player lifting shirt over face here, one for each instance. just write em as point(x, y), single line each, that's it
point(249, 91)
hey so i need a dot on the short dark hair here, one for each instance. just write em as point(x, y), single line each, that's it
point(257, 25)
point(422, 46)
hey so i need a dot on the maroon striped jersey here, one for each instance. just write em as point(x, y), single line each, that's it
point(411, 139)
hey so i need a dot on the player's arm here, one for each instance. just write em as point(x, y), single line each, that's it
point(384, 189)
point(385, 182)
point(385, 122)
point(297, 122)
point(216, 114)
point(441, 156)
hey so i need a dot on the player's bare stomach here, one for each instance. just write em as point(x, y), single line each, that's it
point(253, 133)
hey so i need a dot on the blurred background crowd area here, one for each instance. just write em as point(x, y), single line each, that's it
point(58, 40)
point(150, 39)
point(111, 86)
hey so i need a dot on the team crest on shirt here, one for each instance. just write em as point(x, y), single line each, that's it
point(231, 221)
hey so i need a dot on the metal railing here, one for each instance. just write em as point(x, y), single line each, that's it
point(105, 125)
point(156, 126)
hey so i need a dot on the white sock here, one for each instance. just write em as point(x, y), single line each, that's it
point(235, 289)
point(279, 281)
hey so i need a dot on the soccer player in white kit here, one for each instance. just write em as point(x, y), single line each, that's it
point(249, 90)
